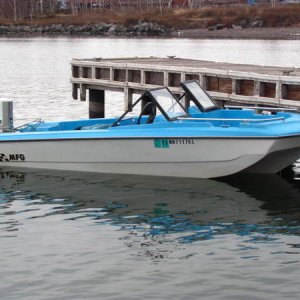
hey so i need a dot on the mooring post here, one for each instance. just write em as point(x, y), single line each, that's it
point(96, 104)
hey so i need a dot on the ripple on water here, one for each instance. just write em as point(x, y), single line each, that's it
point(74, 235)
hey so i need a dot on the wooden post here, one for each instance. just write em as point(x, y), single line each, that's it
point(81, 72)
point(203, 81)
point(236, 87)
point(97, 104)
point(284, 91)
point(75, 91)
point(93, 72)
point(82, 92)
point(128, 99)
point(166, 78)
point(278, 92)
point(257, 88)
point(143, 77)
point(111, 74)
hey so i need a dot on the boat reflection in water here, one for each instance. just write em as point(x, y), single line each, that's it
point(81, 233)
point(150, 208)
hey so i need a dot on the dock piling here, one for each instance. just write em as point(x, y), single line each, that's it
point(96, 104)
point(128, 98)
point(75, 91)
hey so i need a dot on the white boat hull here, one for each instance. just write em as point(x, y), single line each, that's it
point(179, 157)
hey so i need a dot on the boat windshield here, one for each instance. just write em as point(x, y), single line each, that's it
point(198, 95)
point(167, 103)
point(161, 100)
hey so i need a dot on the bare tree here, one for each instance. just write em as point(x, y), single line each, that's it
point(12, 4)
point(161, 6)
point(52, 6)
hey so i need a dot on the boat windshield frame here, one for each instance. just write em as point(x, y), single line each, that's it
point(150, 97)
point(198, 95)
point(174, 102)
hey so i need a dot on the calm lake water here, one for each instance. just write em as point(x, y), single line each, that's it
point(67, 235)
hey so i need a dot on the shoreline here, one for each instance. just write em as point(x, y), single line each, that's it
point(149, 31)
point(277, 33)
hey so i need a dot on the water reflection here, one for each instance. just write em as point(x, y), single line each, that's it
point(151, 210)
point(67, 235)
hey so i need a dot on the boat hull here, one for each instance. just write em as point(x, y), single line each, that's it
point(284, 152)
point(176, 157)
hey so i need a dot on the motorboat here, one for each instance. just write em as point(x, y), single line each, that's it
point(189, 136)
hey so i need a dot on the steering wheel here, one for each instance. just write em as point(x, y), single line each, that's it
point(151, 116)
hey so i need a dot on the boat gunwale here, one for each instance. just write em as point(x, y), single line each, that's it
point(156, 137)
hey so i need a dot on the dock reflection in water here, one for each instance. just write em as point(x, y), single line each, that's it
point(72, 236)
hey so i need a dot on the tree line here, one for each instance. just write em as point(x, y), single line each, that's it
point(20, 9)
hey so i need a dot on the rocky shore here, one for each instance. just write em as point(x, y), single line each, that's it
point(152, 29)
point(101, 29)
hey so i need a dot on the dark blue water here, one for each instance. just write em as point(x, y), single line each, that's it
point(67, 235)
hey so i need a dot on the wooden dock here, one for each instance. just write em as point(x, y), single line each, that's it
point(227, 83)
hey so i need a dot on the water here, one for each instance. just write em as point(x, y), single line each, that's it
point(67, 235)
point(35, 72)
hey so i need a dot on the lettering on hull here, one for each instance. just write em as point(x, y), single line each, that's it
point(166, 143)
point(12, 157)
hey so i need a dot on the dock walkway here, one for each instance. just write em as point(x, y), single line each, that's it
point(228, 83)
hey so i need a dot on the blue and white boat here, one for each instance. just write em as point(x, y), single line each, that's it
point(166, 139)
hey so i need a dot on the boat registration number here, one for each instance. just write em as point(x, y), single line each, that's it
point(166, 143)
